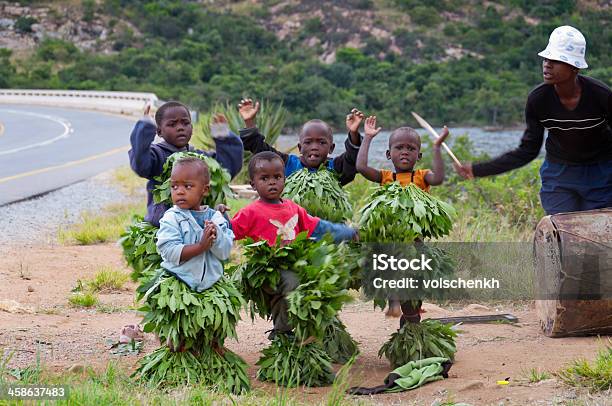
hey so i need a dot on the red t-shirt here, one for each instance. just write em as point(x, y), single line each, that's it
point(265, 221)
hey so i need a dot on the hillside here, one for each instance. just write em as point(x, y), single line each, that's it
point(458, 62)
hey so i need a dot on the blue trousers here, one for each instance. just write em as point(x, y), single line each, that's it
point(567, 188)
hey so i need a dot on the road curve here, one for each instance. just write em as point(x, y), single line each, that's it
point(45, 148)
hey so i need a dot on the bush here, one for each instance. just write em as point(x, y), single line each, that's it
point(24, 24)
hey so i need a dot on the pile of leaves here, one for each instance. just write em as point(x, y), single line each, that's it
point(323, 272)
point(139, 249)
point(320, 194)
point(195, 326)
point(338, 343)
point(402, 214)
point(175, 312)
point(164, 367)
point(289, 364)
point(227, 372)
point(324, 275)
point(262, 268)
point(219, 180)
point(417, 341)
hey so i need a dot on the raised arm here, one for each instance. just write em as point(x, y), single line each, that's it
point(345, 163)
point(143, 159)
point(252, 140)
point(353, 120)
point(527, 151)
point(371, 131)
point(436, 176)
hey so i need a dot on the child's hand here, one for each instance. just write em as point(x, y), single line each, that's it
point(147, 113)
point(353, 120)
point(248, 111)
point(441, 138)
point(370, 127)
point(219, 127)
point(209, 235)
point(222, 208)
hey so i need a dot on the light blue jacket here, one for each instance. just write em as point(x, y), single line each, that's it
point(178, 228)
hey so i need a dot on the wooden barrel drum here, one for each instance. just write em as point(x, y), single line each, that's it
point(573, 265)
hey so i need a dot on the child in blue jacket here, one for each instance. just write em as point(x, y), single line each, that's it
point(193, 240)
point(173, 124)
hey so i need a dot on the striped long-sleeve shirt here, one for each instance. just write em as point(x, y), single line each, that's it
point(578, 137)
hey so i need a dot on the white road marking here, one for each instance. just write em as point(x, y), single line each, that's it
point(64, 123)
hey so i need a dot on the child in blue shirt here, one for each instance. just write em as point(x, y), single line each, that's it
point(173, 123)
point(316, 142)
point(193, 240)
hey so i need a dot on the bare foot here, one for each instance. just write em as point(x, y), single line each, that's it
point(394, 309)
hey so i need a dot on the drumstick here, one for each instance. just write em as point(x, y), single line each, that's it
point(433, 132)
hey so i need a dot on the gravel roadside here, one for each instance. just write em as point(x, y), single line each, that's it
point(36, 221)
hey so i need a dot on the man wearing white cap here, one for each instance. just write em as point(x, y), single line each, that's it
point(577, 112)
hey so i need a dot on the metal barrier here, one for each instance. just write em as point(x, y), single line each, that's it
point(130, 103)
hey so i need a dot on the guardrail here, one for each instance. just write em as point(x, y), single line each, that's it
point(130, 103)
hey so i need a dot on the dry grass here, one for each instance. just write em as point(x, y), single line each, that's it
point(96, 228)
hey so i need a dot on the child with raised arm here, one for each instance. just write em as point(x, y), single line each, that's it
point(315, 144)
point(273, 216)
point(404, 152)
point(173, 123)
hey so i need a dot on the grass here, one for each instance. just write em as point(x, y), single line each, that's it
point(534, 375)
point(83, 299)
point(131, 183)
point(97, 228)
point(595, 376)
point(113, 386)
point(108, 279)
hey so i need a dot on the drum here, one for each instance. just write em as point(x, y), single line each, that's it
point(573, 266)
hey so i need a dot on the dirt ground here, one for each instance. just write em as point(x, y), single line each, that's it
point(40, 279)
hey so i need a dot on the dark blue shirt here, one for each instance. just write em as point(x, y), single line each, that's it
point(147, 160)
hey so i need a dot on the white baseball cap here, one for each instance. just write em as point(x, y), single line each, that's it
point(566, 44)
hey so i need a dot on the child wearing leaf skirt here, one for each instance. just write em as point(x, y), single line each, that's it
point(404, 152)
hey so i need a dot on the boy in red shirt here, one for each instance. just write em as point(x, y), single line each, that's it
point(271, 216)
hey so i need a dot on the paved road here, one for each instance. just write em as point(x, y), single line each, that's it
point(45, 148)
